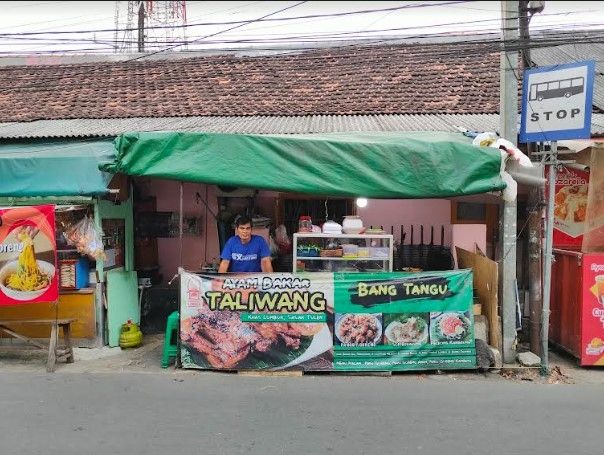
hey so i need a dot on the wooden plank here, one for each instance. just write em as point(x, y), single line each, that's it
point(52, 355)
point(22, 337)
point(486, 284)
point(36, 321)
point(67, 338)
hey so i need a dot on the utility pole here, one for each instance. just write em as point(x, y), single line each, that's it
point(508, 115)
point(535, 203)
point(141, 26)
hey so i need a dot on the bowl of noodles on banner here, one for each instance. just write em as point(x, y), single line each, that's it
point(23, 284)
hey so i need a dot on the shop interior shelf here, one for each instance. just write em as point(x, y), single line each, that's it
point(343, 236)
point(302, 258)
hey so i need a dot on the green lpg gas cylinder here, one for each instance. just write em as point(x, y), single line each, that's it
point(130, 335)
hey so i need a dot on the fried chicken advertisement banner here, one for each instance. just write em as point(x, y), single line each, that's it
point(327, 321)
point(570, 207)
point(28, 255)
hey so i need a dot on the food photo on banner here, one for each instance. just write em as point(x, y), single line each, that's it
point(28, 255)
point(328, 321)
point(256, 321)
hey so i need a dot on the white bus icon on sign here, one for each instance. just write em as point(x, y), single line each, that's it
point(557, 89)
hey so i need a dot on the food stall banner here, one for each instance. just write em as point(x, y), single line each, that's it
point(592, 325)
point(326, 321)
point(570, 207)
point(376, 165)
point(593, 240)
point(28, 255)
point(55, 169)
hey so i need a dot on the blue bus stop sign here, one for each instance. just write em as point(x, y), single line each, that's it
point(557, 102)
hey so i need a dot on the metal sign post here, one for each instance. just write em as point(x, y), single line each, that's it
point(551, 161)
point(556, 104)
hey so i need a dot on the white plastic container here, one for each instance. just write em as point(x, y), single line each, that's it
point(352, 225)
point(380, 252)
point(331, 227)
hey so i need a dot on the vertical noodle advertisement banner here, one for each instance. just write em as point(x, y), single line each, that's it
point(328, 321)
point(28, 255)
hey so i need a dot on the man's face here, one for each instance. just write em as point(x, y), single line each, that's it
point(244, 231)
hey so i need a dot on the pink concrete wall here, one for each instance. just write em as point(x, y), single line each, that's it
point(467, 236)
point(196, 249)
point(393, 212)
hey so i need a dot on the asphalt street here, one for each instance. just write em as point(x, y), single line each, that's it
point(214, 413)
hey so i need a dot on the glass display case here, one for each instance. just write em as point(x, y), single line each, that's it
point(342, 252)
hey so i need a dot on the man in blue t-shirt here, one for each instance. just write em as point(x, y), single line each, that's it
point(245, 252)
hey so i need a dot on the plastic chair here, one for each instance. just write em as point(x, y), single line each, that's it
point(170, 339)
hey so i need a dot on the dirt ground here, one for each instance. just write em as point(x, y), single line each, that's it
point(147, 359)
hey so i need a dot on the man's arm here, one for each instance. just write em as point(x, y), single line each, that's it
point(224, 266)
point(266, 265)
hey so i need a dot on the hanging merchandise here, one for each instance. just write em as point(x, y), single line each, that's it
point(508, 150)
point(282, 239)
point(87, 238)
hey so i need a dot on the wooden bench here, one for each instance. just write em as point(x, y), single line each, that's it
point(54, 351)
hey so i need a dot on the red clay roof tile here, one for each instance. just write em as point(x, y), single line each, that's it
point(397, 79)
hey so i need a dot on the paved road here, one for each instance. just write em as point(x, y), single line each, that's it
point(212, 413)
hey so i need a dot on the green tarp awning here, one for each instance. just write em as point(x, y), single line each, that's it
point(375, 165)
point(65, 168)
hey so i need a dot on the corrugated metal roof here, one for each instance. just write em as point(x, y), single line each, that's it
point(570, 53)
point(78, 128)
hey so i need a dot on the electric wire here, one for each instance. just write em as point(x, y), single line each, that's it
point(265, 18)
point(351, 34)
point(590, 36)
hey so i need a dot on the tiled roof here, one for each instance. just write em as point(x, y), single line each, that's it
point(392, 79)
point(569, 53)
point(79, 128)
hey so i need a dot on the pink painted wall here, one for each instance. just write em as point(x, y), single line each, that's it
point(394, 212)
point(467, 236)
point(196, 249)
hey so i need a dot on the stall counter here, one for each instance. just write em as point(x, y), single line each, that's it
point(76, 304)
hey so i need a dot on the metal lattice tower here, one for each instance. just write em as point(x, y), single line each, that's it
point(164, 21)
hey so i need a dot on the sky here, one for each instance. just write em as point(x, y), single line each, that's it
point(19, 19)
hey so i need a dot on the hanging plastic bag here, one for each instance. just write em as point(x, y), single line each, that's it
point(87, 239)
